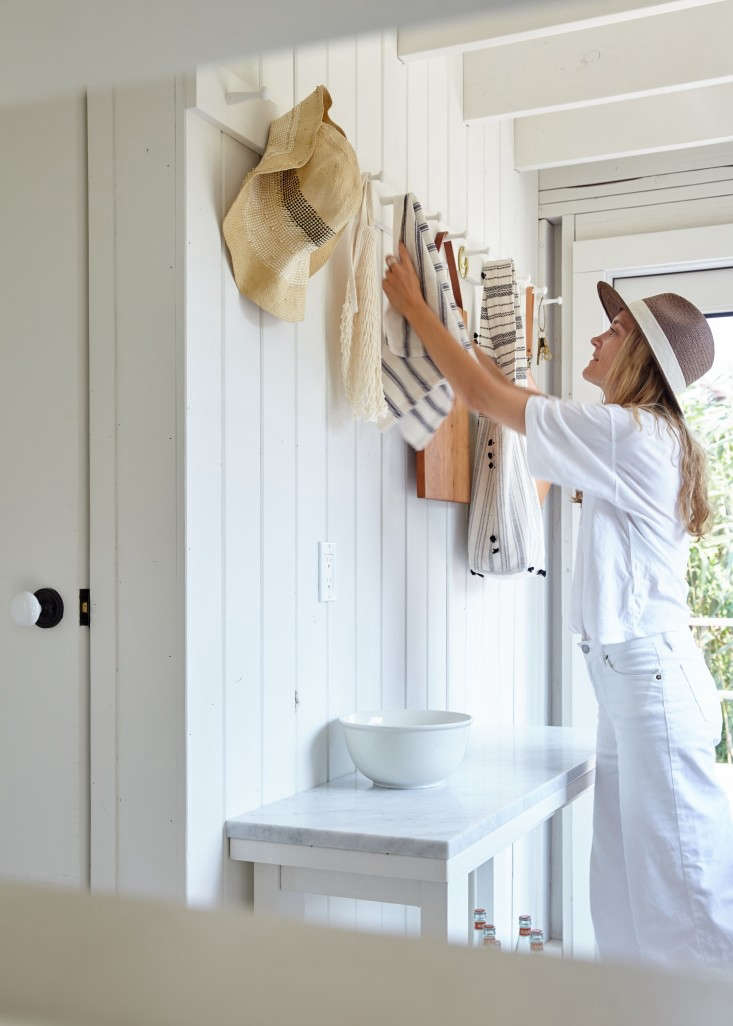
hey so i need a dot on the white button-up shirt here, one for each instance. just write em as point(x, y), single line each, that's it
point(631, 559)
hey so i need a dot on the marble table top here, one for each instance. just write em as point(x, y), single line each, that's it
point(505, 772)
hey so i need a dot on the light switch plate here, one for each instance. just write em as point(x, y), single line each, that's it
point(326, 572)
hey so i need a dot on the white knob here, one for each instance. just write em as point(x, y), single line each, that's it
point(25, 609)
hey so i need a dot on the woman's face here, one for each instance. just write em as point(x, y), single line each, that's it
point(605, 347)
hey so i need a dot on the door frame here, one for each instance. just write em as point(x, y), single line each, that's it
point(584, 263)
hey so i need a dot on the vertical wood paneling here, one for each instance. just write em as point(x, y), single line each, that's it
point(437, 522)
point(151, 650)
point(278, 558)
point(341, 461)
point(409, 625)
point(278, 540)
point(242, 513)
point(396, 478)
point(309, 70)
point(368, 521)
point(204, 561)
point(394, 451)
point(44, 525)
point(342, 473)
point(457, 515)
point(103, 847)
point(416, 598)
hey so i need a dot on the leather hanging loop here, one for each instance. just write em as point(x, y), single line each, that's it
point(453, 272)
point(529, 321)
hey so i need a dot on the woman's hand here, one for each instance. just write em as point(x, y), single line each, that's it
point(401, 284)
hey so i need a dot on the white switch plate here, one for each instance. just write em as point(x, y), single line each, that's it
point(326, 572)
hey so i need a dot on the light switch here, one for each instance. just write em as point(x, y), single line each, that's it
point(326, 572)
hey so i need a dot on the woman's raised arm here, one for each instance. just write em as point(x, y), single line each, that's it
point(480, 384)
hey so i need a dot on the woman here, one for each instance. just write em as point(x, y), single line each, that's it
point(662, 855)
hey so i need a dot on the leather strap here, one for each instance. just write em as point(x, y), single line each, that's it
point(529, 320)
point(453, 272)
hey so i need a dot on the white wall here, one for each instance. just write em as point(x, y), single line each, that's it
point(44, 526)
point(688, 188)
point(138, 748)
point(276, 463)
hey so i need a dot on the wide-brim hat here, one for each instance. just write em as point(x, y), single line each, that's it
point(292, 207)
point(678, 334)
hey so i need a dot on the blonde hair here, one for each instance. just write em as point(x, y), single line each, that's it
point(636, 382)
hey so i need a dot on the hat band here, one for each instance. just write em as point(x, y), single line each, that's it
point(659, 344)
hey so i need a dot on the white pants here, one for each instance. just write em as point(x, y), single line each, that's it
point(661, 875)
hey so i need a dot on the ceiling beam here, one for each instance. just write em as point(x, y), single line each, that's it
point(676, 50)
point(521, 21)
point(695, 117)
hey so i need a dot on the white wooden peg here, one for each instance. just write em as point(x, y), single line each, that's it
point(478, 252)
point(542, 293)
point(247, 96)
point(387, 200)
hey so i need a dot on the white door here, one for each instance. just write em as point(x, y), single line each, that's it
point(697, 263)
point(44, 496)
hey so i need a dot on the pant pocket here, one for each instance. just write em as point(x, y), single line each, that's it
point(701, 686)
point(636, 658)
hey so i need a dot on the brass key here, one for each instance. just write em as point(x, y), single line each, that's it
point(543, 350)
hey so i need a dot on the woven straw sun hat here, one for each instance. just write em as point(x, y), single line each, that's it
point(678, 334)
point(292, 207)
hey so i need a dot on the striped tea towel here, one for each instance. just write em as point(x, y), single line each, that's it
point(417, 395)
point(505, 530)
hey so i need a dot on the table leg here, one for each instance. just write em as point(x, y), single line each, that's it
point(444, 910)
point(270, 899)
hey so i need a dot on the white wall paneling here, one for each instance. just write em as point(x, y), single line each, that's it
point(136, 289)
point(278, 442)
point(207, 90)
point(579, 176)
point(685, 189)
point(44, 518)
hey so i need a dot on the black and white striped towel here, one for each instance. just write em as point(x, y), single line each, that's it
point(417, 395)
point(505, 530)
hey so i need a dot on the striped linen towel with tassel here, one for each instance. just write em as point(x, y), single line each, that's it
point(505, 528)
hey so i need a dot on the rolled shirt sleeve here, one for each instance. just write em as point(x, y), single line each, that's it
point(573, 445)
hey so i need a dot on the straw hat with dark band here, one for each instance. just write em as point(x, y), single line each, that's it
point(293, 207)
point(678, 333)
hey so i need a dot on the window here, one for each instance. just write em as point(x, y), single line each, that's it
point(708, 407)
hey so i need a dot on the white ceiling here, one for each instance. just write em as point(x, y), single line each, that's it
point(582, 81)
point(49, 46)
point(587, 82)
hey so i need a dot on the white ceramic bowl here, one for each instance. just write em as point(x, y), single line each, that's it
point(404, 747)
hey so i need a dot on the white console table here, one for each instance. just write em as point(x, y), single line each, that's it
point(351, 839)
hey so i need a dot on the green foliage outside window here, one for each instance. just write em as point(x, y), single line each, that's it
point(708, 408)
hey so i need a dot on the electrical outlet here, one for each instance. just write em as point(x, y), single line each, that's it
point(326, 572)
